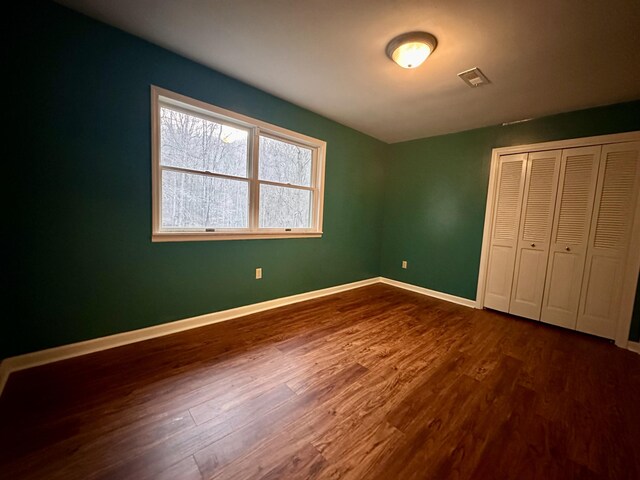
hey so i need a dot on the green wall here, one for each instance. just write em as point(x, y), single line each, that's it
point(82, 263)
point(436, 191)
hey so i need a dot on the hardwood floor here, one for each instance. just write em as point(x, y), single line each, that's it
point(374, 383)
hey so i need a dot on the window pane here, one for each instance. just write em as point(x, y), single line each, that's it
point(284, 162)
point(282, 207)
point(197, 201)
point(191, 142)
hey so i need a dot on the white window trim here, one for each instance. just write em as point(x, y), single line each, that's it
point(255, 128)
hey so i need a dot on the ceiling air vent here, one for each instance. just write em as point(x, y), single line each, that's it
point(473, 77)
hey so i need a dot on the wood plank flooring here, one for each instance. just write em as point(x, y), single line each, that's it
point(374, 383)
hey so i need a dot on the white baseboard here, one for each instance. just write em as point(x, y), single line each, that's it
point(431, 293)
point(55, 354)
point(34, 359)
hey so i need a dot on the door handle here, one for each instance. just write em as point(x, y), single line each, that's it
point(533, 244)
point(568, 249)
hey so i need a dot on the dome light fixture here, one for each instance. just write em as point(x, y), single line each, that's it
point(409, 50)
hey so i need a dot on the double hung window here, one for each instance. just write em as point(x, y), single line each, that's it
point(220, 175)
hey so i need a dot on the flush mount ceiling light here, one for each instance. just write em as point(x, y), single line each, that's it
point(409, 50)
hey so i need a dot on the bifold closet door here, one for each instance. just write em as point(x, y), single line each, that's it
point(570, 234)
point(532, 250)
point(504, 235)
point(611, 225)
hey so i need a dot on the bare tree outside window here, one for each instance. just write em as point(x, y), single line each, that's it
point(290, 164)
point(285, 162)
point(191, 200)
point(284, 207)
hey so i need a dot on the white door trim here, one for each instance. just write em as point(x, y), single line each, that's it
point(633, 260)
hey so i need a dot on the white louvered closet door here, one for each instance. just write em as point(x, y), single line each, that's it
point(535, 232)
point(611, 224)
point(504, 235)
point(570, 234)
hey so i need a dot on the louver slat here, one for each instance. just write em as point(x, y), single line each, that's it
point(574, 207)
point(506, 223)
point(615, 203)
point(539, 201)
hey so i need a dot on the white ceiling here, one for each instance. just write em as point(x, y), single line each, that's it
point(542, 56)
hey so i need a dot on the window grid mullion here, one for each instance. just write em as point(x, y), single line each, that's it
point(287, 185)
point(203, 173)
point(254, 195)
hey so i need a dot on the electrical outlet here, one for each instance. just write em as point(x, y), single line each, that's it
point(258, 273)
point(404, 264)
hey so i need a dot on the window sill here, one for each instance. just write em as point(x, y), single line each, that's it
point(208, 236)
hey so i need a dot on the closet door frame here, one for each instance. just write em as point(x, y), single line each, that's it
point(632, 269)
